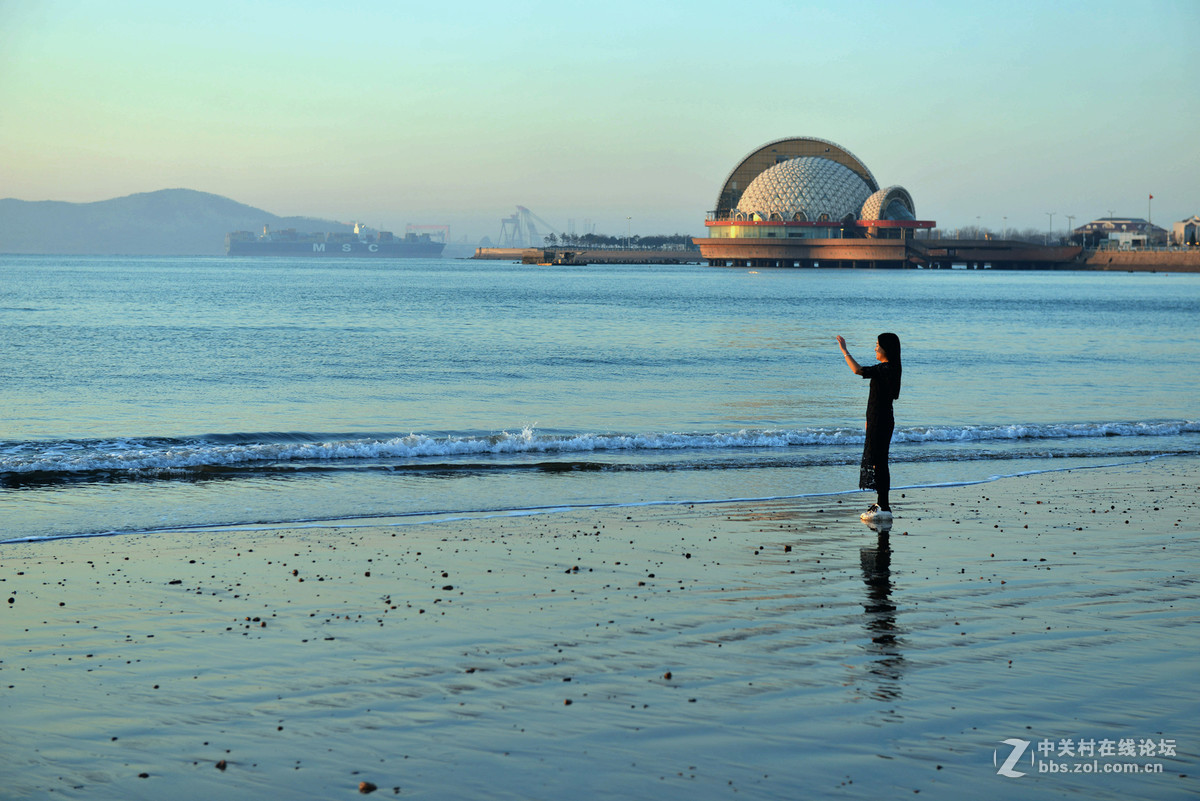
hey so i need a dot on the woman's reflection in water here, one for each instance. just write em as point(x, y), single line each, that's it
point(880, 617)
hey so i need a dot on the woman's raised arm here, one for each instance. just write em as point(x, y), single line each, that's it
point(855, 366)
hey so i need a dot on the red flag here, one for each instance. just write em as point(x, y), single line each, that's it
point(1152, 197)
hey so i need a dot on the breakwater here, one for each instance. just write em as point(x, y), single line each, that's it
point(597, 256)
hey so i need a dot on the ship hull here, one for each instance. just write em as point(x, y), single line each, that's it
point(400, 249)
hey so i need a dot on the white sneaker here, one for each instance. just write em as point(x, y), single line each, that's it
point(876, 515)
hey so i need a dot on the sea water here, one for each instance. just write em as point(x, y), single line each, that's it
point(143, 394)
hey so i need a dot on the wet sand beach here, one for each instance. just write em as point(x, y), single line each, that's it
point(772, 649)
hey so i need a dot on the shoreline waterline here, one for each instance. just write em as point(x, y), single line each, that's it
point(423, 518)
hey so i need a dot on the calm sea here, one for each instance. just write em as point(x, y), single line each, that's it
point(145, 394)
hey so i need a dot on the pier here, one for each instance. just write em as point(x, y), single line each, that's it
point(878, 254)
point(996, 254)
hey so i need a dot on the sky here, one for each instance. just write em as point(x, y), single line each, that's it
point(606, 117)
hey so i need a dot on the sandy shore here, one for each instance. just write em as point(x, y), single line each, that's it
point(747, 650)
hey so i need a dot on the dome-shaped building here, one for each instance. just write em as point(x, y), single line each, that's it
point(807, 202)
point(805, 189)
point(808, 188)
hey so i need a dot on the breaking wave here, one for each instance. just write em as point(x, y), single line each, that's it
point(150, 457)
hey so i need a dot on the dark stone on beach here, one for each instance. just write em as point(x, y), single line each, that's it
point(667, 675)
point(221, 765)
point(176, 581)
point(448, 587)
point(366, 787)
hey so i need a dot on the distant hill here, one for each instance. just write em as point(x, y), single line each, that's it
point(170, 222)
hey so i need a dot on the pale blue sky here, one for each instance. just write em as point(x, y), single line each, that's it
point(454, 113)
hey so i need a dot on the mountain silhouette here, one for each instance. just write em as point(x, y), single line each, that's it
point(169, 222)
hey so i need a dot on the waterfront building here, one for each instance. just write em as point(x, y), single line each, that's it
point(798, 201)
point(1186, 232)
point(808, 202)
point(1125, 232)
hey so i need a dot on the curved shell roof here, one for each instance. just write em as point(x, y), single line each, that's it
point(780, 150)
point(809, 188)
point(889, 203)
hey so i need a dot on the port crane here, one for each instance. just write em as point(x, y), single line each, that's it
point(520, 230)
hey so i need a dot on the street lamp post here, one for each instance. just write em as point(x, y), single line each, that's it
point(1050, 230)
point(1006, 227)
point(1070, 223)
point(627, 230)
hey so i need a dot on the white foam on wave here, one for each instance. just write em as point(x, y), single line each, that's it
point(134, 455)
point(1023, 431)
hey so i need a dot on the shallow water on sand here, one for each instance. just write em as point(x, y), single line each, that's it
point(766, 650)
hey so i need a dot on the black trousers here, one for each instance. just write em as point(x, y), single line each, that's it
point(874, 473)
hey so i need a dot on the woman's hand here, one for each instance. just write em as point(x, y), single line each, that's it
point(849, 359)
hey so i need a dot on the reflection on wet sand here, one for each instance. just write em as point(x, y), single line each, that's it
point(880, 617)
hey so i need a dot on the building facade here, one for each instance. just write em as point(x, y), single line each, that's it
point(1186, 232)
point(1123, 232)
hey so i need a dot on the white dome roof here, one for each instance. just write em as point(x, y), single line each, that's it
point(809, 188)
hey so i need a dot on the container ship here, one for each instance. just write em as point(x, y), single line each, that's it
point(290, 242)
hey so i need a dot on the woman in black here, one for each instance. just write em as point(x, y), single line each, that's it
point(885, 388)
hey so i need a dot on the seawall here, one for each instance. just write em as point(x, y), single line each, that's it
point(1166, 261)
